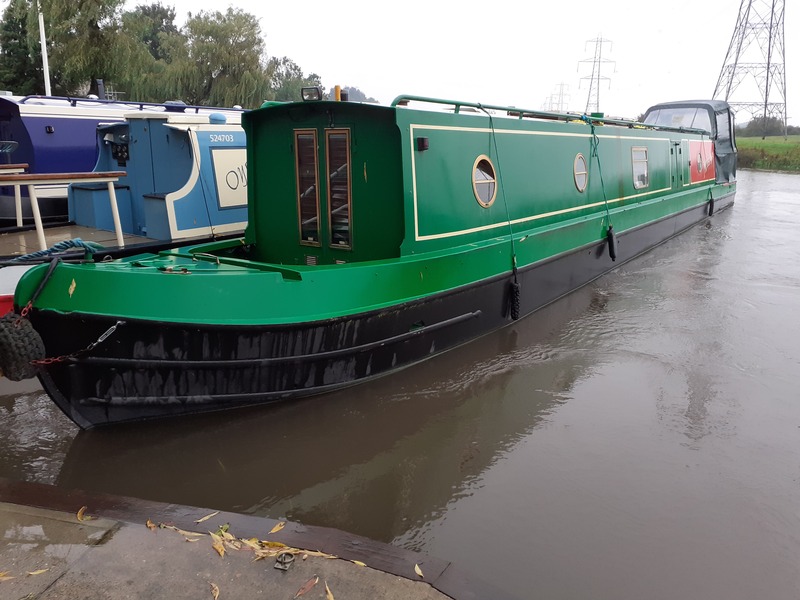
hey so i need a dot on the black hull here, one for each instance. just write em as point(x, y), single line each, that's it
point(148, 369)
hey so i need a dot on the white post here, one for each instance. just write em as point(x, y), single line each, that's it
point(112, 196)
point(37, 217)
point(45, 65)
point(18, 204)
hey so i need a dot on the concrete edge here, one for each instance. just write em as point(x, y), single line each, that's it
point(442, 575)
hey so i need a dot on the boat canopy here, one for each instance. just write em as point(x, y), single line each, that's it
point(714, 116)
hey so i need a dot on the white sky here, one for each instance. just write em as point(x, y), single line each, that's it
point(515, 53)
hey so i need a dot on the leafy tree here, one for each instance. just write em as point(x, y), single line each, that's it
point(147, 44)
point(356, 95)
point(20, 57)
point(155, 21)
point(761, 126)
point(85, 38)
point(287, 78)
point(221, 62)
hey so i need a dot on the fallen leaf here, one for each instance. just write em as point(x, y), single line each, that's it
point(359, 563)
point(227, 536)
point(233, 544)
point(38, 572)
point(251, 543)
point(4, 576)
point(328, 592)
point(278, 527)
point(191, 539)
point(82, 516)
point(207, 517)
point(150, 525)
point(418, 571)
point(216, 543)
point(307, 586)
point(268, 544)
point(215, 590)
point(183, 532)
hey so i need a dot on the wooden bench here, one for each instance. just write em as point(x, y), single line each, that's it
point(18, 178)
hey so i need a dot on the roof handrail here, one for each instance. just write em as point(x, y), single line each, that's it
point(514, 111)
point(135, 105)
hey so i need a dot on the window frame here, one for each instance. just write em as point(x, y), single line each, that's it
point(297, 135)
point(584, 172)
point(492, 181)
point(348, 163)
point(637, 185)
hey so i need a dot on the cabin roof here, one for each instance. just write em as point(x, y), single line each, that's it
point(715, 105)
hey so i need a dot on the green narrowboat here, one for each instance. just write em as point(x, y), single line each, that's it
point(377, 236)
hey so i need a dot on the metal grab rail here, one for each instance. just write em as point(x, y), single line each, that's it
point(521, 113)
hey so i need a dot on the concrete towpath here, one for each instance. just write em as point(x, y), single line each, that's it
point(119, 548)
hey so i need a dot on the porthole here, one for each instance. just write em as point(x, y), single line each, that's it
point(580, 172)
point(484, 182)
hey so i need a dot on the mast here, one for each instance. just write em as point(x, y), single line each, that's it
point(43, 43)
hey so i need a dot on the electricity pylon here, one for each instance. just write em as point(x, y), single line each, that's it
point(557, 101)
point(756, 58)
point(593, 100)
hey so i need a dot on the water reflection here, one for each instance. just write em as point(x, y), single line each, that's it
point(33, 437)
point(353, 460)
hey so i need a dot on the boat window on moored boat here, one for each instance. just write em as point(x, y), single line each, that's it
point(305, 147)
point(338, 153)
point(484, 183)
point(641, 177)
point(580, 172)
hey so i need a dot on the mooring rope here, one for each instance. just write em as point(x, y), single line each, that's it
point(62, 246)
point(515, 287)
point(611, 238)
point(594, 154)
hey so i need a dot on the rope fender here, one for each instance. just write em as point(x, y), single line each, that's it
point(20, 343)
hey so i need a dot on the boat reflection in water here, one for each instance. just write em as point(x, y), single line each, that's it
point(374, 459)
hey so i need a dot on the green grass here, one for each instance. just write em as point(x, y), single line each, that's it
point(774, 153)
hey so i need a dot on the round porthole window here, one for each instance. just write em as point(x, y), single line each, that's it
point(580, 172)
point(484, 182)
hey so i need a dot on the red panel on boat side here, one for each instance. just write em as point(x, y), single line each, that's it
point(702, 160)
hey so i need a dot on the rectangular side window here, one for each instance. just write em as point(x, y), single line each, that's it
point(338, 154)
point(305, 148)
point(641, 177)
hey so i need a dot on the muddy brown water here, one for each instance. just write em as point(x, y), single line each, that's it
point(637, 439)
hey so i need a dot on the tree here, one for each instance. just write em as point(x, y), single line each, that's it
point(287, 78)
point(760, 126)
point(356, 95)
point(147, 43)
point(155, 22)
point(20, 59)
point(85, 36)
point(221, 61)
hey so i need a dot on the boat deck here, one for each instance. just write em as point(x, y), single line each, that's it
point(17, 242)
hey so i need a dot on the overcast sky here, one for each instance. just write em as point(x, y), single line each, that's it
point(513, 52)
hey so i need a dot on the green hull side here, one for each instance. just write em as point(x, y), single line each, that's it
point(534, 167)
point(208, 293)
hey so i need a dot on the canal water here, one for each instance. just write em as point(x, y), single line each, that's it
point(637, 439)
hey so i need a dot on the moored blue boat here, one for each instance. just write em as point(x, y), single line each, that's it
point(58, 135)
point(186, 177)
